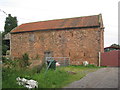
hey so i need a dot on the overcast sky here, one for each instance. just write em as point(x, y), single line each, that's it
point(41, 10)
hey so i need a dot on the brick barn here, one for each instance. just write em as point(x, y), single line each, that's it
point(79, 38)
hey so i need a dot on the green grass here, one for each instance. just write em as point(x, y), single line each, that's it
point(51, 79)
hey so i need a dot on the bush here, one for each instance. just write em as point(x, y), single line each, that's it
point(91, 65)
point(9, 63)
point(4, 49)
point(25, 58)
point(51, 79)
point(5, 59)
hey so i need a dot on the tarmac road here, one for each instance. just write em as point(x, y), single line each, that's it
point(102, 78)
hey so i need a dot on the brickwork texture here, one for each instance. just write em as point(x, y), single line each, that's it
point(80, 44)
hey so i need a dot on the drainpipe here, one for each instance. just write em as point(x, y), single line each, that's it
point(99, 59)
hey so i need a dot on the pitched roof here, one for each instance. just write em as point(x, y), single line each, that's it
point(112, 47)
point(87, 21)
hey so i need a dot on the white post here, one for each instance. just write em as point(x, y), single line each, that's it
point(64, 61)
point(69, 60)
point(99, 58)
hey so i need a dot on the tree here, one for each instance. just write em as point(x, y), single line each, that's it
point(10, 23)
point(115, 45)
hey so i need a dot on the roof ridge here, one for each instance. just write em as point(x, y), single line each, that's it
point(62, 19)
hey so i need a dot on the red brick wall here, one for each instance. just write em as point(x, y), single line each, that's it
point(110, 58)
point(78, 44)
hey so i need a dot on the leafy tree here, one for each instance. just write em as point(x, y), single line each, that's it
point(10, 23)
point(115, 45)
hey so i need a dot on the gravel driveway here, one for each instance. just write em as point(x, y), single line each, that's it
point(102, 78)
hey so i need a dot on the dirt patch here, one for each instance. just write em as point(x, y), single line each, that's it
point(71, 72)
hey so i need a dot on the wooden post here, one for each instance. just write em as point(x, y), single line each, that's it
point(99, 58)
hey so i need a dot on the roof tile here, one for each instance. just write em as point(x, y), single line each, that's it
point(86, 21)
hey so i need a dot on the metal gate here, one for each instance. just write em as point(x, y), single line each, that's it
point(63, 61)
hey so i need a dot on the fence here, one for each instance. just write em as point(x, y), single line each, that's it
point(63, 61)
point(110, 58)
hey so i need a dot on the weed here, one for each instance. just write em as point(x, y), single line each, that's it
point(25, 58)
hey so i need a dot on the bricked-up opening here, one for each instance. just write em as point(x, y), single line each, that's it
point(84, 54)
point(48, 54)
point(59, 36)
point(72, 34)
point(31, 37)
point(69, 53)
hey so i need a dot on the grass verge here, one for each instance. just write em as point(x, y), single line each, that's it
point(52, 79)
